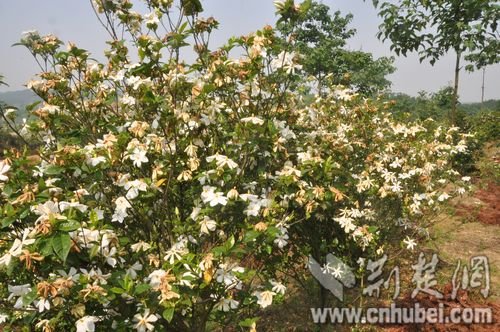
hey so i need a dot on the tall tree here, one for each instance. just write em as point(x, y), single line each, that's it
point(434, 27)
point(320, 37)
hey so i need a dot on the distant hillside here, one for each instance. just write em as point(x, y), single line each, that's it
point(19, 99)
point(472, 108)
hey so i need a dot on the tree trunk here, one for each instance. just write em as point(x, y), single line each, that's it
point(453, 115)
point(482, 89)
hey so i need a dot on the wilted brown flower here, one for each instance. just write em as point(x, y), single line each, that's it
point(92, 290)
point(44, 289)
point(260, 226)
point(29, 257)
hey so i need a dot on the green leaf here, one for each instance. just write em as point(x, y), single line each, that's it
point(191, 7)
point(8, 190)
point(94, 251)
point(139, 289)
point(168, 314)
point(24, 214)
point(218, 251)
point(45, 247)
point(61, 244)
point(53, 170)
point(231, 241)
point(94, 218)
point(69, 226)
point(117, 290)
point(251, 236)
point(6, 222)
point(29, 298)
point(248, 322)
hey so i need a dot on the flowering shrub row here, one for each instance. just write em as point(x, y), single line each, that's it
point(172, 196)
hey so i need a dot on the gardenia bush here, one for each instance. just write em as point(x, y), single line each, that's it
point(173, 196)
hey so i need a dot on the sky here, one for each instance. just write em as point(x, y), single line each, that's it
point(74, 20)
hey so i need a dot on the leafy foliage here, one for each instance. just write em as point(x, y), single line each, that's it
point(434, 27)
point(320, 39)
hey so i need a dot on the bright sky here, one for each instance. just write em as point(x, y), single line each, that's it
point(74, 20)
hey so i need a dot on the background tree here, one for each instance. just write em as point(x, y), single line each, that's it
point(321, 40)
point(434, 27)
point(1, 80)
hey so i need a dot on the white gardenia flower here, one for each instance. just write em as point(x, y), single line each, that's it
point(176, 251)
point(225, 274)
point(443, 197)
point(134, 187)
point(42, 304)
point(16, 248)
point(337, 272)
point(144, 321)
point(253, 119)
point(48, 210)
point(232, 194)
point(265, 298)
point(75, 205)
point(96, 275)
point(207, 225)
point(121, 209)
point(134, 81)
point(128, 100)
point(222, 161)
point(253, 209)
point(195, 213)
point(396, 187)
point(289, 170)
point(40, 169)
point(344, 94)
point(140, 246)
point(9, 111)
point(4, 168)
point(213, 198)
point(361, 262)
point(282, 239)
point(94, 161)
point(18, 291)
point(138, 157)
point(152, 18)
point(285, 61)
point(248, 197)
point(155, 278)
point(278, 287)
point(109, 254)
point(346, 223)
point(122, 203)
point(51, 109)
point(87, 237)
point(410, 243)
point(86, 324)
point(72, 274)
point(132, 271)
point(226, 304)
